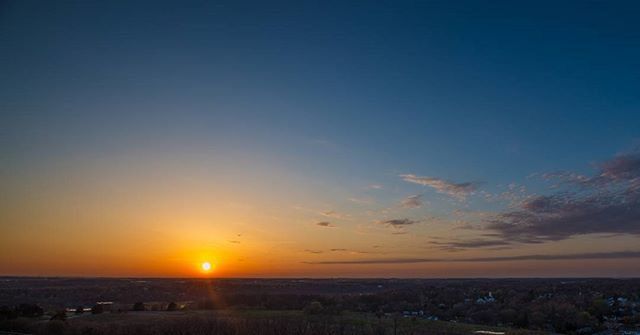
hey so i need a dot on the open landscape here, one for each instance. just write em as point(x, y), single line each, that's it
point(334, 167)
point(319, 306)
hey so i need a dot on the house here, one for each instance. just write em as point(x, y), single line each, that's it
point(486, 300)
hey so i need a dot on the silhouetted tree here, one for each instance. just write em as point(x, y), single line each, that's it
point(138, 306)
point(29, 310)
point(7, 313)
point(172, 307)
point(599, 309)
point(508, 316)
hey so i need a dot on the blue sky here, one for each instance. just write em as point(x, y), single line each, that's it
point(330, 97)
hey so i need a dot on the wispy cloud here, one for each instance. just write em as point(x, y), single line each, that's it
point(513, 194)
point(470, 244)
point(457, 190)
point(553, 218)
point(607, 203)
point(622, 167)
point(397, 223)
point(414, 201)
point(334, 215)
point(375, 187)
point(339, 250)
point(311, 251)
point(552, 257)
point(325, 224)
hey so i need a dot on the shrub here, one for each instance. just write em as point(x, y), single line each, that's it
point(314, 307)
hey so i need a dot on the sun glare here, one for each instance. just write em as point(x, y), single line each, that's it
point(206, 266)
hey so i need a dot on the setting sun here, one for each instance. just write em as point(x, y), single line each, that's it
point(206, 266)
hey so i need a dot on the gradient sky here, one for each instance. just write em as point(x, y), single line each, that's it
point(280, 139)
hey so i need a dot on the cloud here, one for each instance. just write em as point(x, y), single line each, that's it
point(457, 190)
point(353, 252)
point(566, 177)
point(552, 257)
point(375, 187)
point(471, 244)
point(622, 167)
point(311, 251)
point(334, 214)
point(414, 201)
point(234, 241)
point(397, 223)
point(512, 193)
point(552, 218)
point(325, 224)
point(337, 250)
point(607, 203)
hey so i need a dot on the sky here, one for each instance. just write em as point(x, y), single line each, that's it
point(427, 139)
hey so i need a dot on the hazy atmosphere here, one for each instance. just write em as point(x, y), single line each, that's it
point(429, 139)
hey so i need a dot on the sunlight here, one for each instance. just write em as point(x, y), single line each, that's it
point(206, 267)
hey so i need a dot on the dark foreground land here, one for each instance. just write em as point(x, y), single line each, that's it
point(315, 306)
